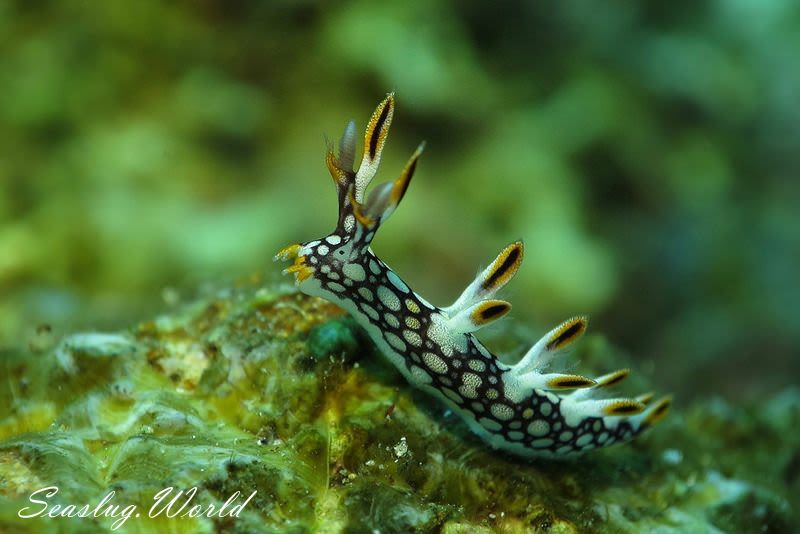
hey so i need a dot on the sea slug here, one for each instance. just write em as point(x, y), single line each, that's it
point(518, 408)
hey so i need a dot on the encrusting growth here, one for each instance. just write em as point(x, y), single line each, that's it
point(521, 408)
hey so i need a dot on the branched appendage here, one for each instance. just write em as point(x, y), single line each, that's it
point(521, 408)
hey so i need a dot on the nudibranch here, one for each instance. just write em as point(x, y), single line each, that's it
point(518, 408)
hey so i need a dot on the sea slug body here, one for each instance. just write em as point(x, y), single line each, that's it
point(521, 409)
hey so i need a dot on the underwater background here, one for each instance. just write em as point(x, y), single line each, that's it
point(157, 154)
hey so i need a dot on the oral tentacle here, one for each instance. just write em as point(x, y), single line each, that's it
point(287, 253)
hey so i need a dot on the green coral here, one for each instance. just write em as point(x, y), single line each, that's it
point(272, 391)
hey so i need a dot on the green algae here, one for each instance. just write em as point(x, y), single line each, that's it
point(338, 337)
point(268, 390)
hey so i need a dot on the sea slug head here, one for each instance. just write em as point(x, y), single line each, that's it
point(341, 255)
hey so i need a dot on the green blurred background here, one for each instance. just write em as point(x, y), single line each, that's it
point(647, 153)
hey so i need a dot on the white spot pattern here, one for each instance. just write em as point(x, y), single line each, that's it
point(491, 424)
point(412, 337)
point(396, 282)
point(412, 306)
point(354, 271)
point(395, 341)
point(434, 362)
point(369, 310)
point(539, 427)
point(335, 287)
point(388, 298)
point(502, 411)
point(391, 320)
point(477, 365)
point(365, 293)
point(420, 375)
point(374, 267)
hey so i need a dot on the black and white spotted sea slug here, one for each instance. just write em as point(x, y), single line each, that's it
point(518, 408)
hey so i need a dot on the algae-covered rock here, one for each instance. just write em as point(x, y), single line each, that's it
point(272, 392)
